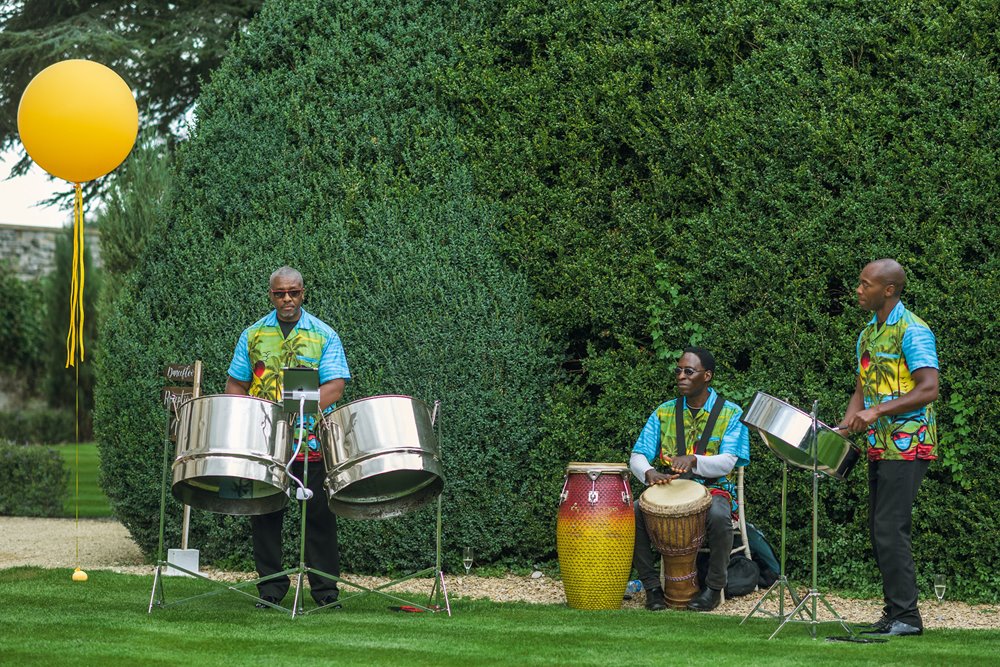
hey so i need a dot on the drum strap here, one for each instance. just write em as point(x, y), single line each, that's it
point(702, 443)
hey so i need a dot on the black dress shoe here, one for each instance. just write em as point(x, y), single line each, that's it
point(655, 600)
point(330, 601)
point(707, 600)
point(878, 626)
point(896, 629)
point(267, 598)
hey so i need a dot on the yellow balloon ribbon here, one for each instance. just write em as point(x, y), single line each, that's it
point(74, 339)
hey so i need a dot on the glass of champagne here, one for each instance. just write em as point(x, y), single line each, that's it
point(467, 558)
point(940, 585)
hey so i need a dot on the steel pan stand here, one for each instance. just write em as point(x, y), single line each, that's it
point(438, 590)
point(781, 584)
point(157, 597)
point(808, 606)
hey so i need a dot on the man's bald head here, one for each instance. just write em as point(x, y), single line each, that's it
point(888, 272)
point(880, 285)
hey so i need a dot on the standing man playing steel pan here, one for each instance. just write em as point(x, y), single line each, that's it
point(727, 447)
point(897, 369)
point(290, 337)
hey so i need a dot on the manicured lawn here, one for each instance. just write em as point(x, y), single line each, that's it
point(93, 502)
point(47, 619)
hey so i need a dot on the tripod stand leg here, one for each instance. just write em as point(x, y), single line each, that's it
point(799, 608)
point(777, 588)
point(156, 596)
point(297, 601)
point(439, 573)
point(840, 619)
point(442, 590)
point(781, 583)
point(303, 508)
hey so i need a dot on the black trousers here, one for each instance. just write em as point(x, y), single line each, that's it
point(892, 489)
point(321, 541)
point(718, 536)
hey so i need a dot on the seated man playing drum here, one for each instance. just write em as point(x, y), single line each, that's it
point(713, 442)
point(289, 337)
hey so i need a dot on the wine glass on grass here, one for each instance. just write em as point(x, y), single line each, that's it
point(467, 558)
point(940, 585)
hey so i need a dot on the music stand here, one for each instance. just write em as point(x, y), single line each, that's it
point(299, 384)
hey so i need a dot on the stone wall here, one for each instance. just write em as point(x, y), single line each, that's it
point(31, 250)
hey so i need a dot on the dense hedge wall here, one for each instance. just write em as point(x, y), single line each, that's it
point(33, 480)
point(38, 426)
point(719, 173)
point(321, 143)
point(657, 174)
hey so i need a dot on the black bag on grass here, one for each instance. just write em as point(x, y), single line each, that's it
point(742, 575)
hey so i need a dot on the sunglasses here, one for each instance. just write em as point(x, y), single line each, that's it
point(687, 371)
point(280, 293)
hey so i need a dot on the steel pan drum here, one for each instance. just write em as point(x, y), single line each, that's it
point(231, 452)
point(786, 430)
point(383, 461)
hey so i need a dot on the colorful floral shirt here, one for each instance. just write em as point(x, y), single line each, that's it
point(886, 357)
point(263, 351)
point(658, 439)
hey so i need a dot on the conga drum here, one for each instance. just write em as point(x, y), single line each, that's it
point(595, 534)
point(675, 520)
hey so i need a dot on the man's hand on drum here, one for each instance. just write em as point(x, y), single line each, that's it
point(681, 464)
point(656, 477)
point(860, 421)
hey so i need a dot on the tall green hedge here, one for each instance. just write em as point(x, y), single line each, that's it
point(719, 173)
point(38, 425)
point(633, 176)
point(323, 143)
point(33, 480)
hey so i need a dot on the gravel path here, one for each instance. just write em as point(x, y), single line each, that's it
point(106, 545)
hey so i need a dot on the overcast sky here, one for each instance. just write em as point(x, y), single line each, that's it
point(18, 197)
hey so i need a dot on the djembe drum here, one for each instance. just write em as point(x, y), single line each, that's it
point(675, 521)
point(595, 534)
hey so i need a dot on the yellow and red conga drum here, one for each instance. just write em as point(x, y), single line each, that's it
point(595, 534)
point(675, 520)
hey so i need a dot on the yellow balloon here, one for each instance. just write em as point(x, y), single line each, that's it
point(78, 120)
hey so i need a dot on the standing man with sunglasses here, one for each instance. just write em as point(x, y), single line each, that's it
point(698, 410)
point(897, 368)
point(289, 337)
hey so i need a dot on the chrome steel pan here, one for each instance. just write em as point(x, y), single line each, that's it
point(231, 452)
point(785, 429)
point(384, 461)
